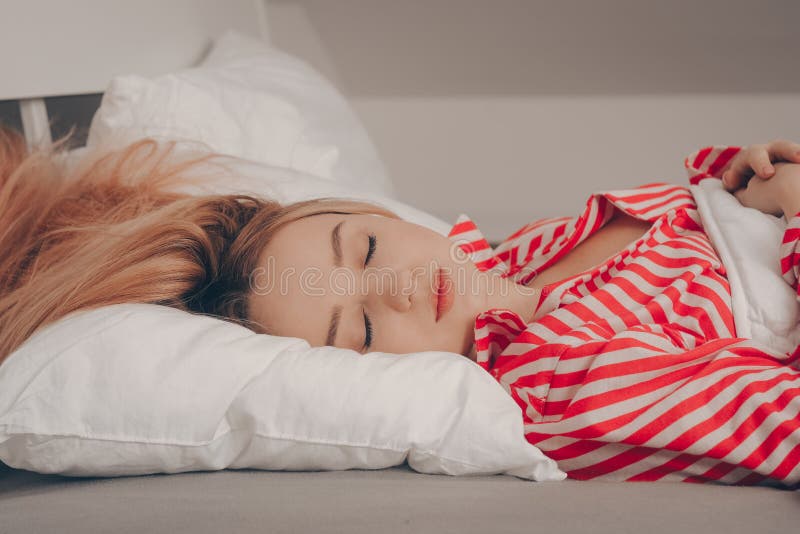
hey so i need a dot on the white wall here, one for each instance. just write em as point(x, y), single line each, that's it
point(505, 161)
point(75, 47)
point(513, 110)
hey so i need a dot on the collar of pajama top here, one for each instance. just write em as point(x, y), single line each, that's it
point(538, 245)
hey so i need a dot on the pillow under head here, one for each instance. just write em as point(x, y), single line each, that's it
point(137, 389)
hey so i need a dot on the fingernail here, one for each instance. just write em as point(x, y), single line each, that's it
point(766, 171)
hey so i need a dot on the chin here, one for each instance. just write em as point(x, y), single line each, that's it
point(468, 346)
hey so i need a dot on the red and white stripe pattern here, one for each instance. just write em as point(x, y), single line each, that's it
point(632, 370)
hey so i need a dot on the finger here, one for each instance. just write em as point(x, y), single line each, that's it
point(738, 174)
point(783, 150)
point(760, 161)
point(734, 180)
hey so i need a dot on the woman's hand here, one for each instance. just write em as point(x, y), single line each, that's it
point(778, 195)
point(756, 160)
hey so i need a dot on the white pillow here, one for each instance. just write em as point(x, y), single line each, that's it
point(249, 100)
point(136, 389)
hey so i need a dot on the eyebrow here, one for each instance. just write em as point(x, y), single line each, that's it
point(336, 245)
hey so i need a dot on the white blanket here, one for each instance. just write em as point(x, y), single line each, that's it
point(765, 306)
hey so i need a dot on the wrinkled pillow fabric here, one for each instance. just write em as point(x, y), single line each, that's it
point(250, 100)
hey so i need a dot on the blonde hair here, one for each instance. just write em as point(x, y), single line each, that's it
point(113, 230)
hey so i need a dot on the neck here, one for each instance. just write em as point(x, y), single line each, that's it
point(507, 294)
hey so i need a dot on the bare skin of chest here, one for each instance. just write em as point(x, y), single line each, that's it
point(617, 234)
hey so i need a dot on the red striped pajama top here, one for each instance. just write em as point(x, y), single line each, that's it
point(632, 370)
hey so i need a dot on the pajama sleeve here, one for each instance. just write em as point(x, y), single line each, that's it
point(790, 251)
point(709, 162)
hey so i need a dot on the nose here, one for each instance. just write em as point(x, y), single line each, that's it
point(393, 289)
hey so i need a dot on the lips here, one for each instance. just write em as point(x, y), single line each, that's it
point(443, 294)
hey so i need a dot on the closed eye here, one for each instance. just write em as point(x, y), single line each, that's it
point(367, 332)
point(373, 241)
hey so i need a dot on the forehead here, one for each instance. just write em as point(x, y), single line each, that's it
point(287, 310)
point(288, 293)
point(277, 298)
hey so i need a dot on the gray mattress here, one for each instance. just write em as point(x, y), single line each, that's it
point(385, 501)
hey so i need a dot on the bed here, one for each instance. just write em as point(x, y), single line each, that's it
point(395, 499)
point(392, 500)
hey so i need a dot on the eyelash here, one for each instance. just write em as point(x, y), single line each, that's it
point(373, 242)
point(368, 328)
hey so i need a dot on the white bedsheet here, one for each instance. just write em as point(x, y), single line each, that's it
point(765, 306)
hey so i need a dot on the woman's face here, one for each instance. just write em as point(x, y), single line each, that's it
point(367, 283)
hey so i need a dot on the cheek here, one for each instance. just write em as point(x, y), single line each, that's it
point(423, 243)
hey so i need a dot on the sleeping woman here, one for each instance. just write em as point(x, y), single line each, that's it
point(612, 330)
